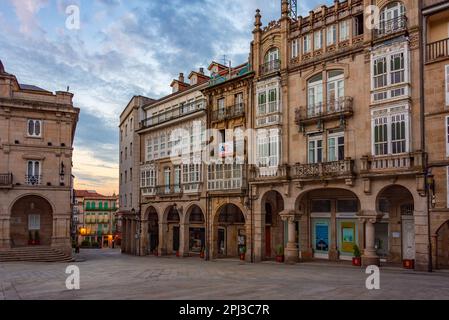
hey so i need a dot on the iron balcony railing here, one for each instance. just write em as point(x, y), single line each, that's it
point(175, 113)
point(324, 109)
point(237, 110)
point(391, 26)
point(334, 169)
point(6, 179)
point(437, 50)
point(270, 66)
point(166, 190)
point(33, 180)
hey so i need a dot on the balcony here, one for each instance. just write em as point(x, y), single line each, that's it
point(343, 169)
point(169, 190)
point(390, 27)
point(192, 187)
point(6, 180)
point(33, 180)
point(337, 109)
point(438, 50)
point(401, 164)
point(235, 111)
point(148, 191)
point(230, 74)
point(180, 111)
point(270, 173)
point(270, 67)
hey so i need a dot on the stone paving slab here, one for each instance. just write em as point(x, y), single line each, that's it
point(107, 274)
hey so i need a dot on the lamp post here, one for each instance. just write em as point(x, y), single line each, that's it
point(138, 229)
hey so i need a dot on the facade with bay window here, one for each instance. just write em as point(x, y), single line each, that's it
point(37, 129)
point(351, 165)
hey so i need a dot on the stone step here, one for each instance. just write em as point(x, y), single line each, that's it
point(34, 254)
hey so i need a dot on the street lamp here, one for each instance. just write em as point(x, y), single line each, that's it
point(138, 231)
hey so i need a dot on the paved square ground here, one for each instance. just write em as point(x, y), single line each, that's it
point(107, 274)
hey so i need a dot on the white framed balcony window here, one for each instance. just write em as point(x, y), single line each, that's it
point(34, 128)
point(294, 48)
point(34, 172)
point(336, 147)
point(307, 43)
point(318, 40)
point(167, 178)
point(331, 36)
point(335, 89)
point(177, 179)
point(268, 148)
point(262, 103)
point(315, 149)
point(315, 95)
point(344, 30)
point(390, 69)
point(391, 131)
point(389, 17)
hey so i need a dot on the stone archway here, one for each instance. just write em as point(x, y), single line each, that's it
point(230, 231)
point(328, 226)
point(152, 219)
point(395, 233)
point(194, 231)
point(172, 232)
point(273, 230)
point(442, 247)
point(31, 222)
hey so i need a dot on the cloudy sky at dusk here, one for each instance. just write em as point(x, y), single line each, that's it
point(123, 48)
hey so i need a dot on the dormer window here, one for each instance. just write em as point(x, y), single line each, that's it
point(35, 128)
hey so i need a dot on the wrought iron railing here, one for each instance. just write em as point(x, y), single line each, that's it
point(391, 26)
point(166, 190)
point(437, 50)
point(6, 179)
point(270, 66)
point(322, 109)
point(334, 169)
point(33, 180)
point(237, 110)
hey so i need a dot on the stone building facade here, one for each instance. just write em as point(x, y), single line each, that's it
point(435, 22)
point(97, 218)
point(337, 157)
point(37, 129)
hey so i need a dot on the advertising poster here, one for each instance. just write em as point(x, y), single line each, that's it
point(347, 236)
point(322, 236)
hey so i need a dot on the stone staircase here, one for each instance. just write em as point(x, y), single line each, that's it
point(34, 254)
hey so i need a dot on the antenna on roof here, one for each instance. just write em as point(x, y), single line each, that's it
point(68, 88)
point(225, 60)
point(293, 9)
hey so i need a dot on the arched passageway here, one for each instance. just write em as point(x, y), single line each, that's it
point(31, 222)
point(229, 227)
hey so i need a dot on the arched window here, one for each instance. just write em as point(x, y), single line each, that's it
point(315, 95)
point(335, 89)
point(87, 205)
point(392, 18)
point(272, 55)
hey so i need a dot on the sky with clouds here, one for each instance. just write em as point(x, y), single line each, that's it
point(123, 48)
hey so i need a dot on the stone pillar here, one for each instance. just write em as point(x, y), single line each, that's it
point(162, 239)
point(133, 237)
point(5, 240)
point(333, 252)
point(124, 235)
point(144, 244)
point(184, 240)
point(292, 251)
point(259, 236)
point(369, 218)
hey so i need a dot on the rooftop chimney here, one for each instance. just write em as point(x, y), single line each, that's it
point(202, 70)
point(181, 77)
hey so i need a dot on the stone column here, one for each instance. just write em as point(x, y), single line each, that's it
point(144, 244)
point(133, 237)
point(369, 218)
point(184, 240)
point(124, 235)
point(291, 252)
point(162, 239)
point(5, 240)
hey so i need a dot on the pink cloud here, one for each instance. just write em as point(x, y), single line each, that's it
point(26, 11)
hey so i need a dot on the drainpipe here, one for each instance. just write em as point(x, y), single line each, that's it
point(422, 57)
